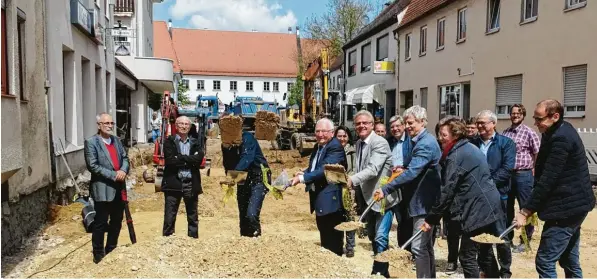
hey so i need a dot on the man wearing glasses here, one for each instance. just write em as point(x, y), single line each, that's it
point(182, 180)
point(108, 163)
point(325, 198)
point(527, 147)
point(501, 157)
point(562, 194)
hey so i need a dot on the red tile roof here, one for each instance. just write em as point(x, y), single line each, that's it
point(420, 8)
point(232, 53)
point(162, 45)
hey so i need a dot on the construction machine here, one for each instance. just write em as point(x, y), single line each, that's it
point(158, 156)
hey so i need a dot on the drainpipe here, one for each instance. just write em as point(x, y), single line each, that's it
point(47, 86)
point(397, 69)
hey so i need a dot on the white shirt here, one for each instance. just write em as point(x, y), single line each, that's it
point(106, 141)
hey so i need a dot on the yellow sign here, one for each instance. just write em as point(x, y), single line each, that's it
point(383, 67)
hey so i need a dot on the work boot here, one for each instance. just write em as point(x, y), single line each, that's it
point(109, 248)
point(451, 268)
point(97, 257)
point(381, 269)
point(350, 253)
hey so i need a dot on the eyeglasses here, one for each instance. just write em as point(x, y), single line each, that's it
point(483, 123)
point(106, 123)
point(363, 123)
point(183, 124)
point(322, 131)
point(540, 119)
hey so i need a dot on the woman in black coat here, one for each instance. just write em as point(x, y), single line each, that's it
point(469, 196)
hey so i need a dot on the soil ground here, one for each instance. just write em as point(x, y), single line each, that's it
point(289, 246)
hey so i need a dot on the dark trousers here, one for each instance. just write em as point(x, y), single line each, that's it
point(405, 224)
point(474, 256)
point(522, 187)
point(172, 202)
point(504, 254)
point(108, 219)
point(330, 238)
point(454, 231)
point(250, 196)
point(559, 243)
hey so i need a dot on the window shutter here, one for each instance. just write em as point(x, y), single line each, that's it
point(575, 85)
point(508, 90)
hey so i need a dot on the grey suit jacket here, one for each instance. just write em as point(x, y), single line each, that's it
point(376, 163)
point(103, 186)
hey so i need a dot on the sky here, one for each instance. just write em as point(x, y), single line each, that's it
point(238, 15)
point(241, 15)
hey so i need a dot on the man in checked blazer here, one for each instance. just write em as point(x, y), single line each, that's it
point(374, 161)
point(108, 163)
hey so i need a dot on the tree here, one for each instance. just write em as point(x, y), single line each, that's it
point(183, 98)
point(341, 23)
point(296, 92)
point(154, 100)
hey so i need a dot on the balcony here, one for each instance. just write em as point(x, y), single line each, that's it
point(124, 7)
point(155, 73)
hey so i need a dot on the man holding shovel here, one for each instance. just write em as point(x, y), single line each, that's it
point(374, 161)
point(108, 163)
point(325, 198)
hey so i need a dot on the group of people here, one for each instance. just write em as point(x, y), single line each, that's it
point(467, 175)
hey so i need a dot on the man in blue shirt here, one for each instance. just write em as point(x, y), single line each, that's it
point(501, 156)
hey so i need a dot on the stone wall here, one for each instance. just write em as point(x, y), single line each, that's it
point(23, 217)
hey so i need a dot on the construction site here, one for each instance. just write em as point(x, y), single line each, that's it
point(289, 246)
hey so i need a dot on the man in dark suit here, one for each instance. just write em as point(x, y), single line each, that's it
point(562, 194)
point(325, 199)
point(108, 163)
point(182, 180)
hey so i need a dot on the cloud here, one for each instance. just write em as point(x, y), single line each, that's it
point(237, 15)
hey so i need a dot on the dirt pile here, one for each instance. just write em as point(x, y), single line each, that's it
point(220, 256)
point(266, 125)
point(140, 156)
point(231, 130)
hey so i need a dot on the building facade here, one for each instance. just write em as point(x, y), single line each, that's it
point(460, 57)
point(369, 66)
point(133, 43)
point(26, 168)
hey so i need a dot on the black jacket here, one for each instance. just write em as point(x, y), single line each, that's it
point(468, 193)
point(175, 160)
point(562, 183)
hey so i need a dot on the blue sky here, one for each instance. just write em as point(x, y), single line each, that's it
point(240, 15)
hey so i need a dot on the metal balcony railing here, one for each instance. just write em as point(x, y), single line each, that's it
point(124, 6)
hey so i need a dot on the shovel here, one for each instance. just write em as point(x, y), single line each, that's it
point(353, 226)
point(335, 174)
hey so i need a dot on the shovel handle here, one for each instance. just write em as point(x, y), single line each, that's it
point(507, 231)
point(366, 211)
point(420, 231)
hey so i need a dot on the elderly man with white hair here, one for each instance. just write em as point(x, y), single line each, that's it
point(420, 185)
point(325, 198)
point(501, 157)
point(182, 180)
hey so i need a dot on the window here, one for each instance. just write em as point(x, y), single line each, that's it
point(508, 91)
point(217, 85)
point(233, 85)
point(575, 90)
point(530, 9)
point(461, 35)
point(265, 86)
point(249, 86)
point(493, 15)
point(366, 58)
point(383, 44)
point(423, 41)
point(201, 85)
point(352, 63)
point(573, 4)
point(424, 97)
point(290, 85)
point(185, 83)
point(276, 86)
point(21, 55)
point(4, 56)
point(441, 33)
point(407, 46)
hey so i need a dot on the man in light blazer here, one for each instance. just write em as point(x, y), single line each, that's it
point(374, 161)
point(325, 198)
point(108, 163)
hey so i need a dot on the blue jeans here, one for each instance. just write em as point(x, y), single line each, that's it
point(250, 198)
point(155, 133)
point(522, 187)
point(559, 243)
point(378, 230)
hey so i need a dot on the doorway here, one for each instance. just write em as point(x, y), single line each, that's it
point(406, 101)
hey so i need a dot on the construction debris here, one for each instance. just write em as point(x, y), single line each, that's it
point(231, 130)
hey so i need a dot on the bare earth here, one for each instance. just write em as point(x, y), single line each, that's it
point(289, 246)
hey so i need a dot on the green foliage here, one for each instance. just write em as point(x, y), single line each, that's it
point(183, 98)
point(154, 101)
point(296, 93)
point(340, 23)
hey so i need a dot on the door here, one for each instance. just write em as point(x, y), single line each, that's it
point(390, 106)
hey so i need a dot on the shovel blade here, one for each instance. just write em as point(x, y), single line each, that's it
point(335, 174)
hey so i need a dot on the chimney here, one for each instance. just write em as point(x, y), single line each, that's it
point(297, 32)
point(170, 27)
point(289, 30)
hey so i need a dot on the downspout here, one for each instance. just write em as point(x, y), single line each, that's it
point(397, 69)
point(47, 86)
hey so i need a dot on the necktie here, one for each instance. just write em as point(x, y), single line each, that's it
point(361, 154)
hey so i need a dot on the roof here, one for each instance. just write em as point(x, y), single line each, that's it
point(162, 43)
point(418, 9)
point(233, 53)
point(385, 19)
point(337, 63)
